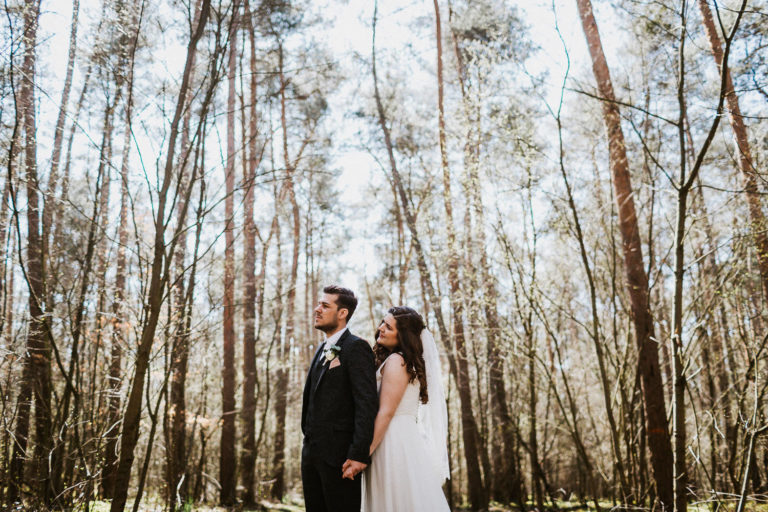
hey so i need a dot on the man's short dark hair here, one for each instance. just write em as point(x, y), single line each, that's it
point(346, 298)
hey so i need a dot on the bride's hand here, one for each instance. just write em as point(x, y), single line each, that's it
point(351, 468)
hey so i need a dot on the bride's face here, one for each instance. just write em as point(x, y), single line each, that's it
point(388, 333)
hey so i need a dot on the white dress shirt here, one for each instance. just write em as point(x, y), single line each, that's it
point(331, 340)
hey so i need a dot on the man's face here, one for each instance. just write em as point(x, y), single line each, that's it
point(328, 316)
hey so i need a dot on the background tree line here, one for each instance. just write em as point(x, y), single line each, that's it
point(583, 226)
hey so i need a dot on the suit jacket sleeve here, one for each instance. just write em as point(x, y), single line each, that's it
point(362, 377)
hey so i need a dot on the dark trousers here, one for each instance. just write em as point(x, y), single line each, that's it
point(324, 488)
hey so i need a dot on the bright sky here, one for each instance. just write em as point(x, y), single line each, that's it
point(349, 35)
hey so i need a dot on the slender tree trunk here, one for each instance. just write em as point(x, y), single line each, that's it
point(119, 330)
point(6, 256)
point(153, 414)
point(7, 419)
point(58, 136)
point(747, 168)
point(8, 301)
point(506, 482)
point(176, 455)
point(176, 413)
point(118, 322)
point(533, 443)
point(281, 387)
point(36, 378)
point(71, 394)
point(158, 278)
point(679, 433)
point(64, 194)
point(686, 181)
point(721, 394)
point(478, 494)
point(227, 454)
point(750, 457)
point(594, 331)
point(177, 410)
point(278, 309)
point(426, 279)
point(118, 338)
point(248, 414)
point(659, 442)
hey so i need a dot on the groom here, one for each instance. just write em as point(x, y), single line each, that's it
point(338, 410)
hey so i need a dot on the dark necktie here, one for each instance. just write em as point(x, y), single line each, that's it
point(319, 360)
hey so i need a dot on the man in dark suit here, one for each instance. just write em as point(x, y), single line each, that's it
point(339, 407)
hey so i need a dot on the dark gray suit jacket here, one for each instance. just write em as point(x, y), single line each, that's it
point(340, 403)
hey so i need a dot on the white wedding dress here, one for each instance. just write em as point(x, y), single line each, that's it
point(402, 476)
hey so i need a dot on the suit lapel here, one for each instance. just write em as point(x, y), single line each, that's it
point(325, 366)
point(318, 352)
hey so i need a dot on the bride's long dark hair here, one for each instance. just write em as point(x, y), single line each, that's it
point(409, 326)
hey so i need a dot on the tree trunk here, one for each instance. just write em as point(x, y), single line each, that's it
point(533, 444)
point(248, 414)
point(58, 136)
point(158, 278)
point(506, 483)
point(679, 434)
point(478, 495)
point(227, 460)
point(465, 395)
point(659, 442)
point(86, 274)
point(747, 169)
point(177, 474)
point(36, 378)
point(281, 387)
point(684, 187)
point(64, 194)
point(121, 268)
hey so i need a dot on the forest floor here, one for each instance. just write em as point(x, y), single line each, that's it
point(294, 504)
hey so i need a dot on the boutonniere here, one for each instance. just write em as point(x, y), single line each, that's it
point(331, 353)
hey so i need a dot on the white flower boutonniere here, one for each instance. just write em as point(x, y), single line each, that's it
point(331, 353)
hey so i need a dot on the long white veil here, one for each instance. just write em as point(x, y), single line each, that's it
point(433, 416)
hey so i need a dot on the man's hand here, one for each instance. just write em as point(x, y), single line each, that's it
point(351, 468)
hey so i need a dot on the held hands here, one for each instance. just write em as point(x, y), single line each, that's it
point(351, 468)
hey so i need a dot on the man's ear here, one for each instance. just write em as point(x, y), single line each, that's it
point(345, 315)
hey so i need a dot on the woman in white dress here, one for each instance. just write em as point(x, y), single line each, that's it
point(409, 452)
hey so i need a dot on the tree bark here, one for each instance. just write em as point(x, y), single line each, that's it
point(36, 378)
point(5, 256)
point(659, 442)
point(679, 434)
point(227, 455)
point(248, 414)
point(177, 474)
point(281, 386)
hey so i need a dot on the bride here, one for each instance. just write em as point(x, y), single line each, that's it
point(409, 452)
